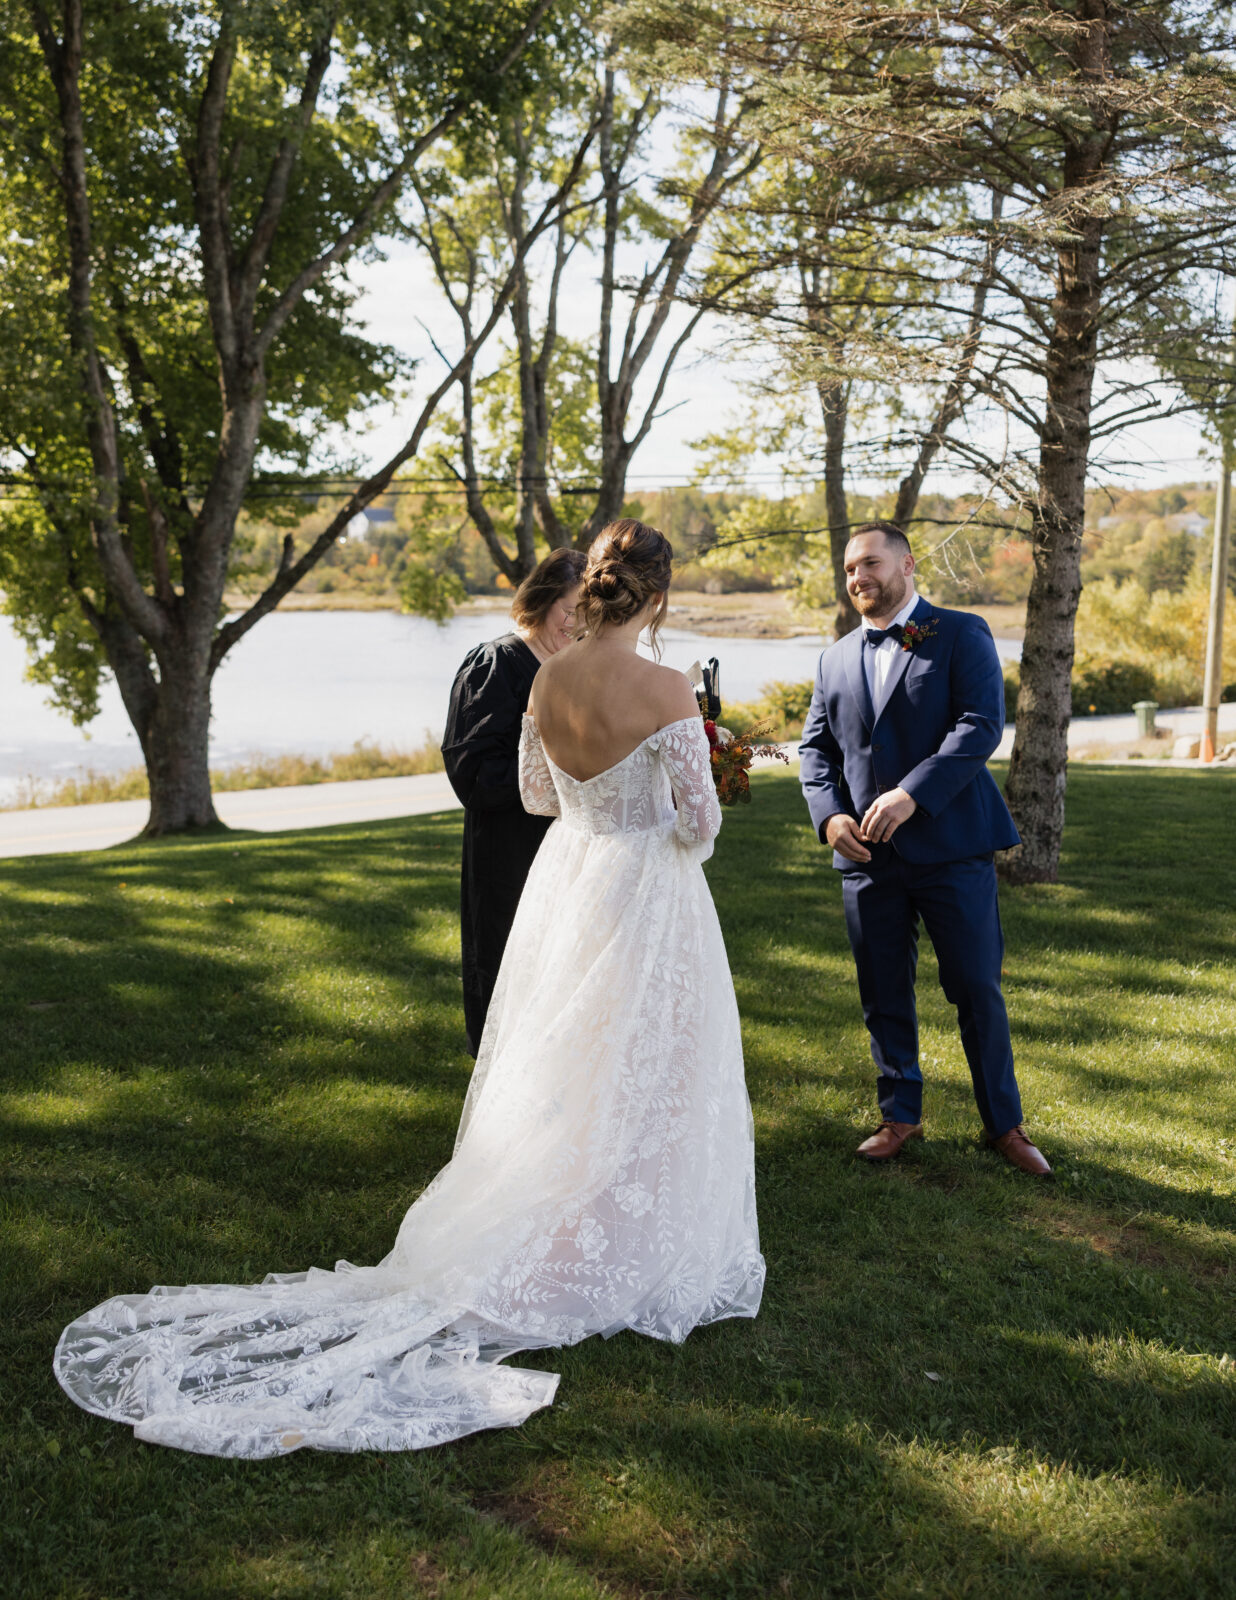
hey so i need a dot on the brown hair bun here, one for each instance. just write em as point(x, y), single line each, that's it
point(629, 566)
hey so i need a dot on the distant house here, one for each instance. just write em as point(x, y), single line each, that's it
point(374, 517)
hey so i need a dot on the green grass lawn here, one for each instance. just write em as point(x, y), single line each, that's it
point(245, 1054)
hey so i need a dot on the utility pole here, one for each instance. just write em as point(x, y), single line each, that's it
point(1218, 599)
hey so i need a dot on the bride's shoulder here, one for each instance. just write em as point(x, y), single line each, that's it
point(669, 693)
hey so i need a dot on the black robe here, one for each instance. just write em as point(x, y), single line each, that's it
point(481, 750)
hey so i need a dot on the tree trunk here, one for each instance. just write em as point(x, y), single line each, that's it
point(611, 494)
point(176, 745)
point(1037, 771)
point(835, 407)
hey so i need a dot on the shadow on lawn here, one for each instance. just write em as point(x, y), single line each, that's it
point(824, 1508)
point(129, 956)
point(810, 1442)
point(722, 1491)
point(207, 1094)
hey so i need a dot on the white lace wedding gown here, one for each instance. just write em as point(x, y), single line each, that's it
point(602, 1177)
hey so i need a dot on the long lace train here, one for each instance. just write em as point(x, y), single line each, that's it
point(602, 1177)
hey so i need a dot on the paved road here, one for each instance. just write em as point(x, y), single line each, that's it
point(51, 829)
point(1090, 731)
point(316, 805)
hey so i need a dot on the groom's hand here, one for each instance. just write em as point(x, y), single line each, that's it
point(842, 833)
point(886, 814)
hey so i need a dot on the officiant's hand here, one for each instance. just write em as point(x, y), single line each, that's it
point(842, 833)
point(886, 814)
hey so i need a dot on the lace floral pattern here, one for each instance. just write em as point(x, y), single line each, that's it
point(665, 780)
point(603, 1174)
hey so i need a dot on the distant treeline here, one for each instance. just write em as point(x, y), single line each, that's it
point(971, 551)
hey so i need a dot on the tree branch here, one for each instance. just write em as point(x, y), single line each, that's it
point(379, 481)
point(381, 196)
point(953, 401)
point(64, 60)
point(209, 197)
point(257, 255)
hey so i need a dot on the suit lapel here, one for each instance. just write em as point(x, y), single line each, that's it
point(901, 661)
point(856, 677)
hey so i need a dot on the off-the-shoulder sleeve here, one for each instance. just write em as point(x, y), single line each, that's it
point(683, 747)
point(536, 782)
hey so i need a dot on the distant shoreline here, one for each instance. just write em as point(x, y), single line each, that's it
point(760, 615)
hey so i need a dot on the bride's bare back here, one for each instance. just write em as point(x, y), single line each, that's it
point(597, 700)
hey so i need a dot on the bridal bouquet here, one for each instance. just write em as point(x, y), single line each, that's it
point(732, 755)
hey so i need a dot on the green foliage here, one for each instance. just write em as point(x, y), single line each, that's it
point(1169, 564)
point(1107, 688)
point(392, 70)
point(63, 650)
point(433, 513)
point(790, 701)
point(970, 552)
point(1164, 633)
point(573, 454)
point(1012, 683)
point(987, 561)
point(431, 594)
point(246, 1054)
point(784, 705)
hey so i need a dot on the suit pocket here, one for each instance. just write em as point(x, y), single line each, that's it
point(921, 685)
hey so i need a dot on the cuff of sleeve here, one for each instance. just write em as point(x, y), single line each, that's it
point(822, 830)
point(917, 799)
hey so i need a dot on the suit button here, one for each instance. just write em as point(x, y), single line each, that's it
point(877, 747)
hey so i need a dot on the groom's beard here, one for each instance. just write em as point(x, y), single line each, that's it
point(884, 601)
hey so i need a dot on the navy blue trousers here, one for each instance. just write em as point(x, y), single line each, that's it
point(956, 900)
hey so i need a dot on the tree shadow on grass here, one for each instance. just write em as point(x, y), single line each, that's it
point(810, 1444)
point(792, 1497)
point(181, 950)
point(169, 1079)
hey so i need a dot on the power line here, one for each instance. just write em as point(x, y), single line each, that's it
point(273, 489)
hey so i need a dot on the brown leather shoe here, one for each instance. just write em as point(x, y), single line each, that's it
point(887, 1140)
point(1016, 1148)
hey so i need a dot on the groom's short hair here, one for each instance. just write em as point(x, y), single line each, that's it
point(892, 534)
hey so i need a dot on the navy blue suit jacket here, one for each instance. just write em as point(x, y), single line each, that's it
point(942, 717)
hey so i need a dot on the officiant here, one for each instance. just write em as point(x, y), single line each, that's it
point(480, 749)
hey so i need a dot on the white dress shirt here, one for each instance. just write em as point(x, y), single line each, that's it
point(878, 659)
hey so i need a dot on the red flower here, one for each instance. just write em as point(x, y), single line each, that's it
point(915, 632)
point(710, 728)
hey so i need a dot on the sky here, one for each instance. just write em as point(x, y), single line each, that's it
point(399, 301)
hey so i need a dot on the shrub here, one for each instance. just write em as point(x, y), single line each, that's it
point(1012, 682)
point(1106, 687)
point(1176, 683)
point(741, 715)
point(788, 701)
point(785, 705)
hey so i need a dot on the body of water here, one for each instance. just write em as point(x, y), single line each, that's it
point(314, 682)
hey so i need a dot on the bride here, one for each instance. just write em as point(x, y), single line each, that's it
point(602, 1177)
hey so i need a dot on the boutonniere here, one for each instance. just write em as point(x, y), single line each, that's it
point(913, 634)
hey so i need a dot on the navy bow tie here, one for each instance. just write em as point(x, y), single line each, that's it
point(877, 636)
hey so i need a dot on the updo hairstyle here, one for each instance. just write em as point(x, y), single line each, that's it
point(544, 586)
point(628, 566)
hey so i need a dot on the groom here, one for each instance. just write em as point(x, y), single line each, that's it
point(906, 711)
